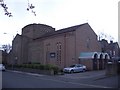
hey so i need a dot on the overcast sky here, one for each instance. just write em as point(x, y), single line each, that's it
point(102, 16)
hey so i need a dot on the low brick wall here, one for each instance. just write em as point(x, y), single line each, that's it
point(112, 69)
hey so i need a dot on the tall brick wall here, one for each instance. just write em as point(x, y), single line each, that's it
point(35, 52)
point(36, 30)
point(86, 40)
point(16, 50)
point(54, 50)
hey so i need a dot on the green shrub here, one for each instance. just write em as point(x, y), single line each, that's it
point(18, 66)
point(10, 65)
point(15, 65)
point(47, 67)
point(31, 66)
point(41, 67)
point(56, 69)
point(35, 63)
point(51, 67)
point(23, 65)
point(38, 66)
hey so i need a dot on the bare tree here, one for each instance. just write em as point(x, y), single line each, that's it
point(4, 6)
point(6, 48)
point(105, 36)
point(31, 7)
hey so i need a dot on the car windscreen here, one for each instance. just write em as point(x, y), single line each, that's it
point(72, 66)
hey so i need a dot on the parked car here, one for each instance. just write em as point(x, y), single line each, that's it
point(2, 67)
point(75, 68)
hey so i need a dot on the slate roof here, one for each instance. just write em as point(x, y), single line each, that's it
point(69, 29)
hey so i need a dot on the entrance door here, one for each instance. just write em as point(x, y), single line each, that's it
point(101, 62)
point(95, 64)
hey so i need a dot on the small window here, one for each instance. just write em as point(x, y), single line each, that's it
point(88, 42)
point(52, 55)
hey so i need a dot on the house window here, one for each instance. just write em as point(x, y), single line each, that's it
point(110, 52)
point(114, 53)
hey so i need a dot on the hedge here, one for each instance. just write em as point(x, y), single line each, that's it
point(37, 66)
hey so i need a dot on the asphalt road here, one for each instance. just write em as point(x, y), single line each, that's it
point(12, 79)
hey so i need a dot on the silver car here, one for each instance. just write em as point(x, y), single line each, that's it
point(2, 67)
point(75, 68)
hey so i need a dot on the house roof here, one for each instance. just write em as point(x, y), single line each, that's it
point(69, 29)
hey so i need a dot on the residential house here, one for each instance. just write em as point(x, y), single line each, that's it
point(111, 48)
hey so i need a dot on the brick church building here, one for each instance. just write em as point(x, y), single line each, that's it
point(40, 43)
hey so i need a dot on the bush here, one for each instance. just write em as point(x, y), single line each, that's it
point(18, 66)
point(41, 67)
point(51, 67)
point(35, 63)
point(30, 66)
point(48, 67)
point(56, 70)
point(10, 65)
point(38, 66)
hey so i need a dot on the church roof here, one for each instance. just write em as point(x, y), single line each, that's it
point(69, 29)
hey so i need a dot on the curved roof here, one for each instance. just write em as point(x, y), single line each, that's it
point(35, 24)
point(86, 55)
point(91, 55)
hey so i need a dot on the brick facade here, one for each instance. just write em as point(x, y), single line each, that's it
point(41, 43)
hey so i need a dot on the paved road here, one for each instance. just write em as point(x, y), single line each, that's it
point(13, 79)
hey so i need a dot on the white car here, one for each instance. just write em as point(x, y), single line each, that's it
point(75, 68)
point(2, 67)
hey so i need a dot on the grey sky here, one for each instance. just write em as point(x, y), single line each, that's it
point(102, 15)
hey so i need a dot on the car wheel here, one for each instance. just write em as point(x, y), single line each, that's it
point(72, 71)
point(84, 70)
